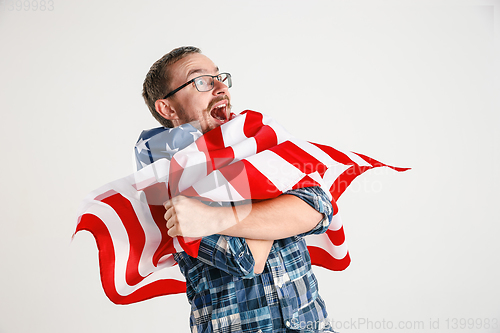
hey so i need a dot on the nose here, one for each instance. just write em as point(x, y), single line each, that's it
point(220, 88)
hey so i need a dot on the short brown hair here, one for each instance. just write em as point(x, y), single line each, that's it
point(157, 80)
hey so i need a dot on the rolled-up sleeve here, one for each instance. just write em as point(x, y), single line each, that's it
point(229, 254)
point(232, 254)
point(317, 199)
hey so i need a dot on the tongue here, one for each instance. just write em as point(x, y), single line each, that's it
point(219, 113)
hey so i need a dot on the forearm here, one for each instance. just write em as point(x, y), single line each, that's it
point(295, 213)
point(260, 251)
point(281, 217)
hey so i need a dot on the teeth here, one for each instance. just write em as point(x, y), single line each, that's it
point(220, 106)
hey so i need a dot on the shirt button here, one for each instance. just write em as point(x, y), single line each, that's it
point(287, 323)
point(240, 255)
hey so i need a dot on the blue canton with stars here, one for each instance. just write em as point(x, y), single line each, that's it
point(162, 142)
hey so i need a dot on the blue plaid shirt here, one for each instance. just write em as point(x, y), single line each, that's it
point(226, 296)
point(224, 293)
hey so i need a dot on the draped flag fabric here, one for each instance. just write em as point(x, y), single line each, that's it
point(249, 157)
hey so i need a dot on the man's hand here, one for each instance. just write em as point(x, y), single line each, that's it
point(192, 218)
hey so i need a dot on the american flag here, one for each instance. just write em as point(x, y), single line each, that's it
point(249, 157)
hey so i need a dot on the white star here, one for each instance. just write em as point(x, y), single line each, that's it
point(195, 135)
point(141, 145)
point(169, 149)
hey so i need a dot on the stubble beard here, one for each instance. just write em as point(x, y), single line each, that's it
point(185, 118)
point(217, 100)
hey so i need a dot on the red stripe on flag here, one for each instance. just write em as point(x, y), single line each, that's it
point(191, 192)
point(167, 243)
point(156, 194)
point(337, 237)
point(320, 257)
point(212, 140)
point(253, 121)
point(239, 178)
point(264, 135)
point(221, 157)
point(174, 177)
point(209, 143)
point(299, 158)
point(137, 238)
point(305, 182)
point(344, 180)
point(106, 251)
point(190, 245)
point(334, 154)
point(376, 163)
point(260, 186)
point(265, 138)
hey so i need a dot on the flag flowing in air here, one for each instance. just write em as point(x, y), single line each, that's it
point(249, 157)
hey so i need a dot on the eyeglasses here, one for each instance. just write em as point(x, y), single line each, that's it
point(205, 83)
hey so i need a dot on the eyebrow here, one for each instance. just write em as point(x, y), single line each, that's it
point(199, 70)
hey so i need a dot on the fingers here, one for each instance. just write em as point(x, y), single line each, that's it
point(171, 219)
point(171, 223)
point(168, 204)
point(173, 232)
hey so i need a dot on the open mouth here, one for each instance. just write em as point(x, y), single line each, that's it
point(219, 112)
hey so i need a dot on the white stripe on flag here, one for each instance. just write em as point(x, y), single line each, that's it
point(194, 166)
point(355, 158)
point(281, 173)
point(244, 149)
point(152, 234)
point(232, 132)
point(336, 223)
point(281, 133)
point(156, 172)
point(334, 172)
point(323, 242)
point(121, 248)
point(314, 151)
point(176, 244)
point(137, 199)
point(317, 178)
point(216, 187)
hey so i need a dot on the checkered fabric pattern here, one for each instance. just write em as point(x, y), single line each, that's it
point(226, 296)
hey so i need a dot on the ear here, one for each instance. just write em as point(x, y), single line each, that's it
point(165, 109)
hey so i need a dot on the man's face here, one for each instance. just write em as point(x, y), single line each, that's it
point(205, 110)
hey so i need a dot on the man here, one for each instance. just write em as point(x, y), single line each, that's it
point(253, 272)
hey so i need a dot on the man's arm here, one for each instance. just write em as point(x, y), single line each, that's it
point(263, 222)
point(260, 249)
point(314, 197)
point(277, 218)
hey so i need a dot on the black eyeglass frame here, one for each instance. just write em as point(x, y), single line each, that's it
point(192, 80)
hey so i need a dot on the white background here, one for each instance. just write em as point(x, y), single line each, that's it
point(410, 83)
